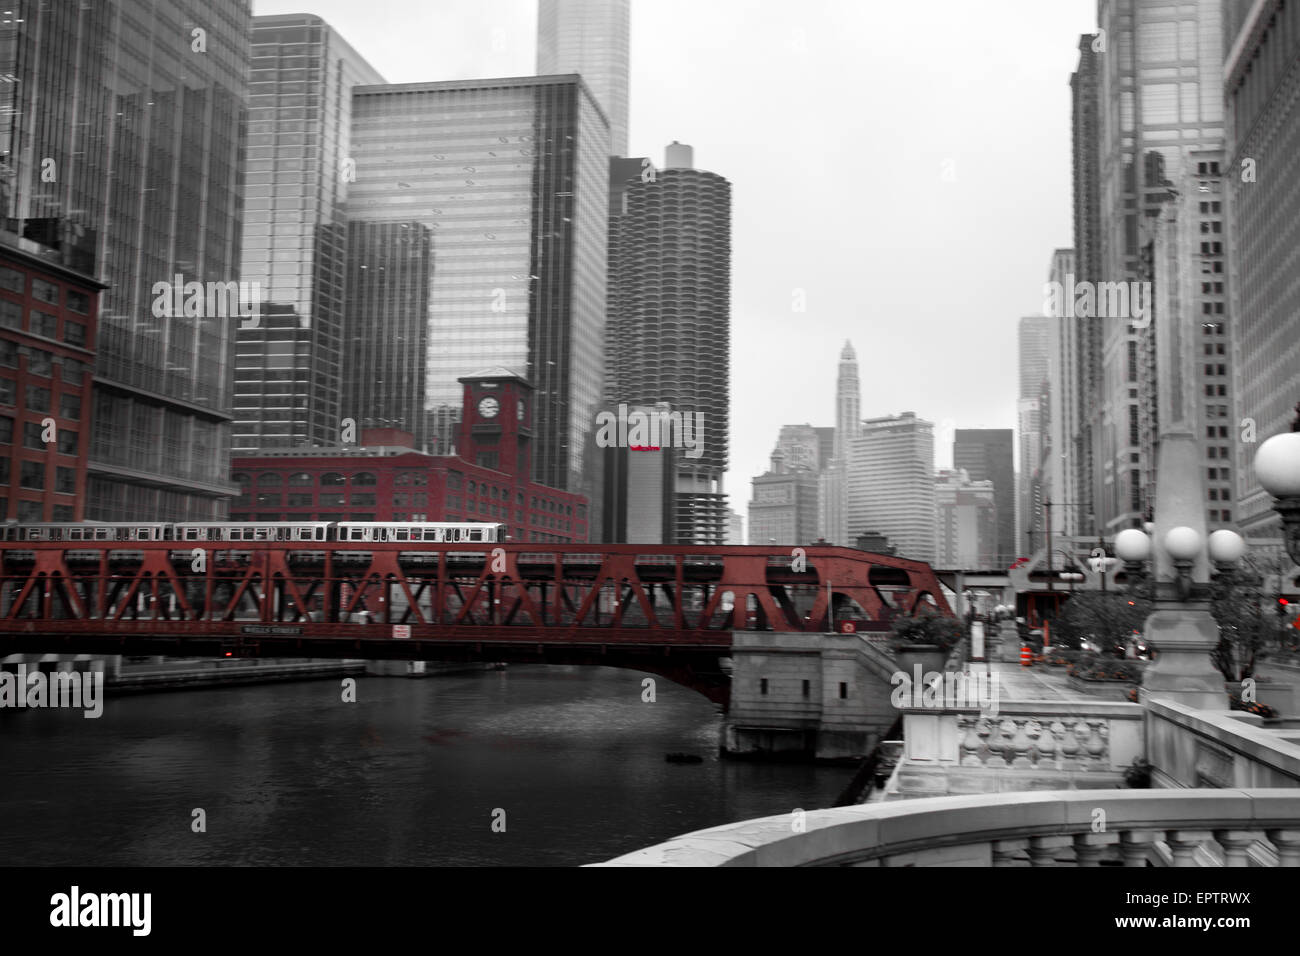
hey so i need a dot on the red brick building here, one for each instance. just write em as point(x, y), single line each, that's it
point(386, 479)
point(47, 354)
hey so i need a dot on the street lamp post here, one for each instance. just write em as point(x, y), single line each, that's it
point(1277, 466)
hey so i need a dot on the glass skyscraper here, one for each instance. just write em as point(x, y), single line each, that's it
point(510, 176)
point(591, 38)
point(289, 369)
point(386, 329)
point(121, 143)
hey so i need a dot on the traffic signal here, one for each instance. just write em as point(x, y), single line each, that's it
point(1282, 605)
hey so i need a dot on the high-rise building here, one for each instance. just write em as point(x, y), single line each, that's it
point(986, 454)
point(1160, 98)
point(123, 144)
point(1262, 196)
point(800, 446)
point(833, 510)
point(385, 331)
point(511, 178)
point(1033, 410)
point(967, 528)
point(591, 38)
point(890, 477)
point(784, 507)
point(1066, 439)
point(1082, 339)
point(289, 368)
point(669, 319)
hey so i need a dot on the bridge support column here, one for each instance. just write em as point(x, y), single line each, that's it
point(807, 696)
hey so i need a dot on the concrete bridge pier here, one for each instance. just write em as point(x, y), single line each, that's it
point(807, 695)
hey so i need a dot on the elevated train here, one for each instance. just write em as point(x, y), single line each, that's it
point(427, 532)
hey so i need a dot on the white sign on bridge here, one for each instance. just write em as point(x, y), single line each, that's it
point(401, 630)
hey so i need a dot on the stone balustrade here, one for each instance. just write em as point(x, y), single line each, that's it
point(1025, 745)
point(1046, 828)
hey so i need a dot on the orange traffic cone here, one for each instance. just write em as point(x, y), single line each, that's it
point(1026, 656)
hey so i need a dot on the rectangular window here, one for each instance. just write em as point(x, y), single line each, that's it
point(844, 690)
point(67, 441)
point(63, 512)
point(8, 392)
point(45, 291)
point(44, 324)
point(40, 362)
point(32, 432)
point(807, 688)
point(11, 314)
point(73, 371)
point(33, 475)
point(300, 501)
point(78, 302)
point(762, 685)
point(74, 333)
point(38, 399)
point(70, 406)
point(11, 280)
point(366, 499)
point(6, 429)
point(65, 480)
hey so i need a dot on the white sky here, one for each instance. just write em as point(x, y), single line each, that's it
point(833, 120)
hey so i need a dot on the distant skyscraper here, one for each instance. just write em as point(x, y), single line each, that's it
point(1066, 438)
point(669, 336)
point(590, 37)
point(1263, 97)
point(784, 507)
point(511, 177)
point(800, 445)
point(1086, 336)
point(1033, 412)
point(385, 330)
point(986, 454)
point(848, 401)
point(833, 510)
point(289, 369)
point(967, 528)
point(144, 136)
point(891, 483)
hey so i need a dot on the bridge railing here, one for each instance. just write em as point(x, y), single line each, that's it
point(1047, 828)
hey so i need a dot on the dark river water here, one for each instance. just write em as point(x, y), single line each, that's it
point(412, 773)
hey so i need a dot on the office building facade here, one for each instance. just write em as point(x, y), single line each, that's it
point(890, 479)
point(47, 351)
point(986, 455)
point(385, 328)
point(123, 145)
point(591, 38)
point(966, 529)
point(289, 367)
point(1262, 197)
point(511, 178)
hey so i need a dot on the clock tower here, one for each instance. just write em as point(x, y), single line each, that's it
point(496, 422)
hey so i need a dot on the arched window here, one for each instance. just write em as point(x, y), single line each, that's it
point(364, 478)
point(332, 479)
point(270, 479)
point(301, 479)
point(240, 478)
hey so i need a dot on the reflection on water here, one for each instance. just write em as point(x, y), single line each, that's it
point(410, 774)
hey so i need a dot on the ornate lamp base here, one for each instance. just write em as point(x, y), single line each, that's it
point(1183, 633)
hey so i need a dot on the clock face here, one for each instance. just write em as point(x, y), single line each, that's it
point(521, 409)
point(489, 407)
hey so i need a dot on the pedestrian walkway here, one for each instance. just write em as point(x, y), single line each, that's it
point(1039, 682)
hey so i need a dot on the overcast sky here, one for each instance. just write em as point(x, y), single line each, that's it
point(835, 121)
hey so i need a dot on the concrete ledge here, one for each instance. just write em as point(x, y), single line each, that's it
point(877, 831)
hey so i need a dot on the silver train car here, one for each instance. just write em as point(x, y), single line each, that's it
point(236, 531)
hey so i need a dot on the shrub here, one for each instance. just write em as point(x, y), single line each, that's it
point(1138, 774)
point(1108, 668)
point(927, 628)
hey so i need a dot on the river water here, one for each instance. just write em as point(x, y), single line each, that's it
point(568, 762)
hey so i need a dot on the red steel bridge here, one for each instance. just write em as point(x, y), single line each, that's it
point(669, 610)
